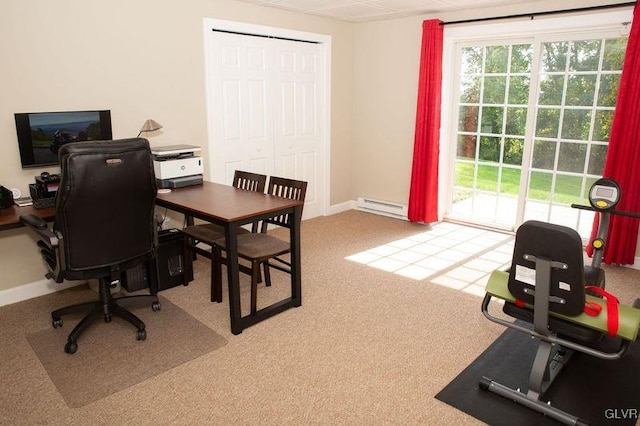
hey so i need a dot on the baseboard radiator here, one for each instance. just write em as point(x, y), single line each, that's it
point(385, 208)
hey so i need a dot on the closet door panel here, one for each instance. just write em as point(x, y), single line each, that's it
point(266, 110)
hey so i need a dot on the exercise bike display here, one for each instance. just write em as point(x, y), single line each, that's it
point(547, 286)
point(604, 196)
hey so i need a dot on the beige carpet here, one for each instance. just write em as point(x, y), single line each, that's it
point(109, 357)
point(367, 346)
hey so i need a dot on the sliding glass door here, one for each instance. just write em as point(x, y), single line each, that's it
point(533, 125)
point(494, 93)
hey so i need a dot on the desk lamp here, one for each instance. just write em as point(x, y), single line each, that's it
point(150, 126)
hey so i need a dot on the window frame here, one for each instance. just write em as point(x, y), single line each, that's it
point(534, 31)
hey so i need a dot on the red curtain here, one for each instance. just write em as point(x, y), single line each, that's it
point(423, 195)
point(623, 155)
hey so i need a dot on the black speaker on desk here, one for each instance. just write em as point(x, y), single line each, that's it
point(163, 272)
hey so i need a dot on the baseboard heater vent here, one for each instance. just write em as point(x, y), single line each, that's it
point(385, 208)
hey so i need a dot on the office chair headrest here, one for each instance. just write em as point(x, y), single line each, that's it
point(104, 147)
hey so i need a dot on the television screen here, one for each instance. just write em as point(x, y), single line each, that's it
point(41, 134)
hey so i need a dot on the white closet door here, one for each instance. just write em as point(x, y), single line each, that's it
point(267, 107)
point(240, 112)
point(298, 117)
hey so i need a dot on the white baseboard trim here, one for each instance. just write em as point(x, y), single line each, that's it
point(34, 289)
point(342, 207)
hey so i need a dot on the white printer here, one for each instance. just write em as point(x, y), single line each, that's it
point(176, 166)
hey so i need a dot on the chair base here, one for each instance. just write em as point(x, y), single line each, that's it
point(106, 307)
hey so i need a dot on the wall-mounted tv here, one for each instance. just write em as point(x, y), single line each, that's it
point(41, 134)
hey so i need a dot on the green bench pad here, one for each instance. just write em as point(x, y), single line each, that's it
point(629, 317)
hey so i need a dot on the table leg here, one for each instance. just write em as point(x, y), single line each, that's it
point(188, 221)
point(296, 275)
point(231, 236)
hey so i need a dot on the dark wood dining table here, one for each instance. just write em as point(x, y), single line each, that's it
point(232, 207)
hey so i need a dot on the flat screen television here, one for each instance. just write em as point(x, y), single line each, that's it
point(41, 134)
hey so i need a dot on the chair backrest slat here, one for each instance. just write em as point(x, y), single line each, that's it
point(249, 181)
point(285, 188)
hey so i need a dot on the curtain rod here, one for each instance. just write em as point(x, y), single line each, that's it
point(534, 14)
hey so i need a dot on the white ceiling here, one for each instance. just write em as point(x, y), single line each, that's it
point(375, 10)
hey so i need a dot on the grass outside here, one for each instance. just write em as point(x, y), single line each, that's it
point(567, 188)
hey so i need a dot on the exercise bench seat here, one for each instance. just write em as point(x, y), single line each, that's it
point(629, 317)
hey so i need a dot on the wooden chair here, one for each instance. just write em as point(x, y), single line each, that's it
point(209, 232)
point(260, 248)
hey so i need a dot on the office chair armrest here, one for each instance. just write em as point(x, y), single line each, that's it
point(39, 226)
point(50, 244)
point(33, 221)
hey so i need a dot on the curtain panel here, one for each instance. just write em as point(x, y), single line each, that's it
point(623, 156)
point(423, 194)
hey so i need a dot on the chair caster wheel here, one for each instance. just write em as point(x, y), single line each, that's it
point(141, 335)
point(71, 347)
point(155, 306)
point(57, 322)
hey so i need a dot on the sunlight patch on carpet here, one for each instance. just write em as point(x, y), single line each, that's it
point(451, 255)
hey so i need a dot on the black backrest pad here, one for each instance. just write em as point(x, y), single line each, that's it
point(105, 202)
point(556, 243)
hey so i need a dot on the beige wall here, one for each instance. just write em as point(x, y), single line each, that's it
point(140, 59)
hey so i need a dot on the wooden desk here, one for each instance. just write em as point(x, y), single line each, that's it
point(231, 208)
point(10, 217)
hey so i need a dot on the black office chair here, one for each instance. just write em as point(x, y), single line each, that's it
point(545, 286)
point(207, 233)
point(104, 225)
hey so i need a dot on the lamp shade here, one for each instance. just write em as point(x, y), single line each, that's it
point(150, 126)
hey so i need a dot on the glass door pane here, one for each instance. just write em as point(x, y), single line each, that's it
point(548, 126)
point(573, 116)
point(494, 93)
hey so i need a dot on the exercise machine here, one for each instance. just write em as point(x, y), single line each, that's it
point(547, 287)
